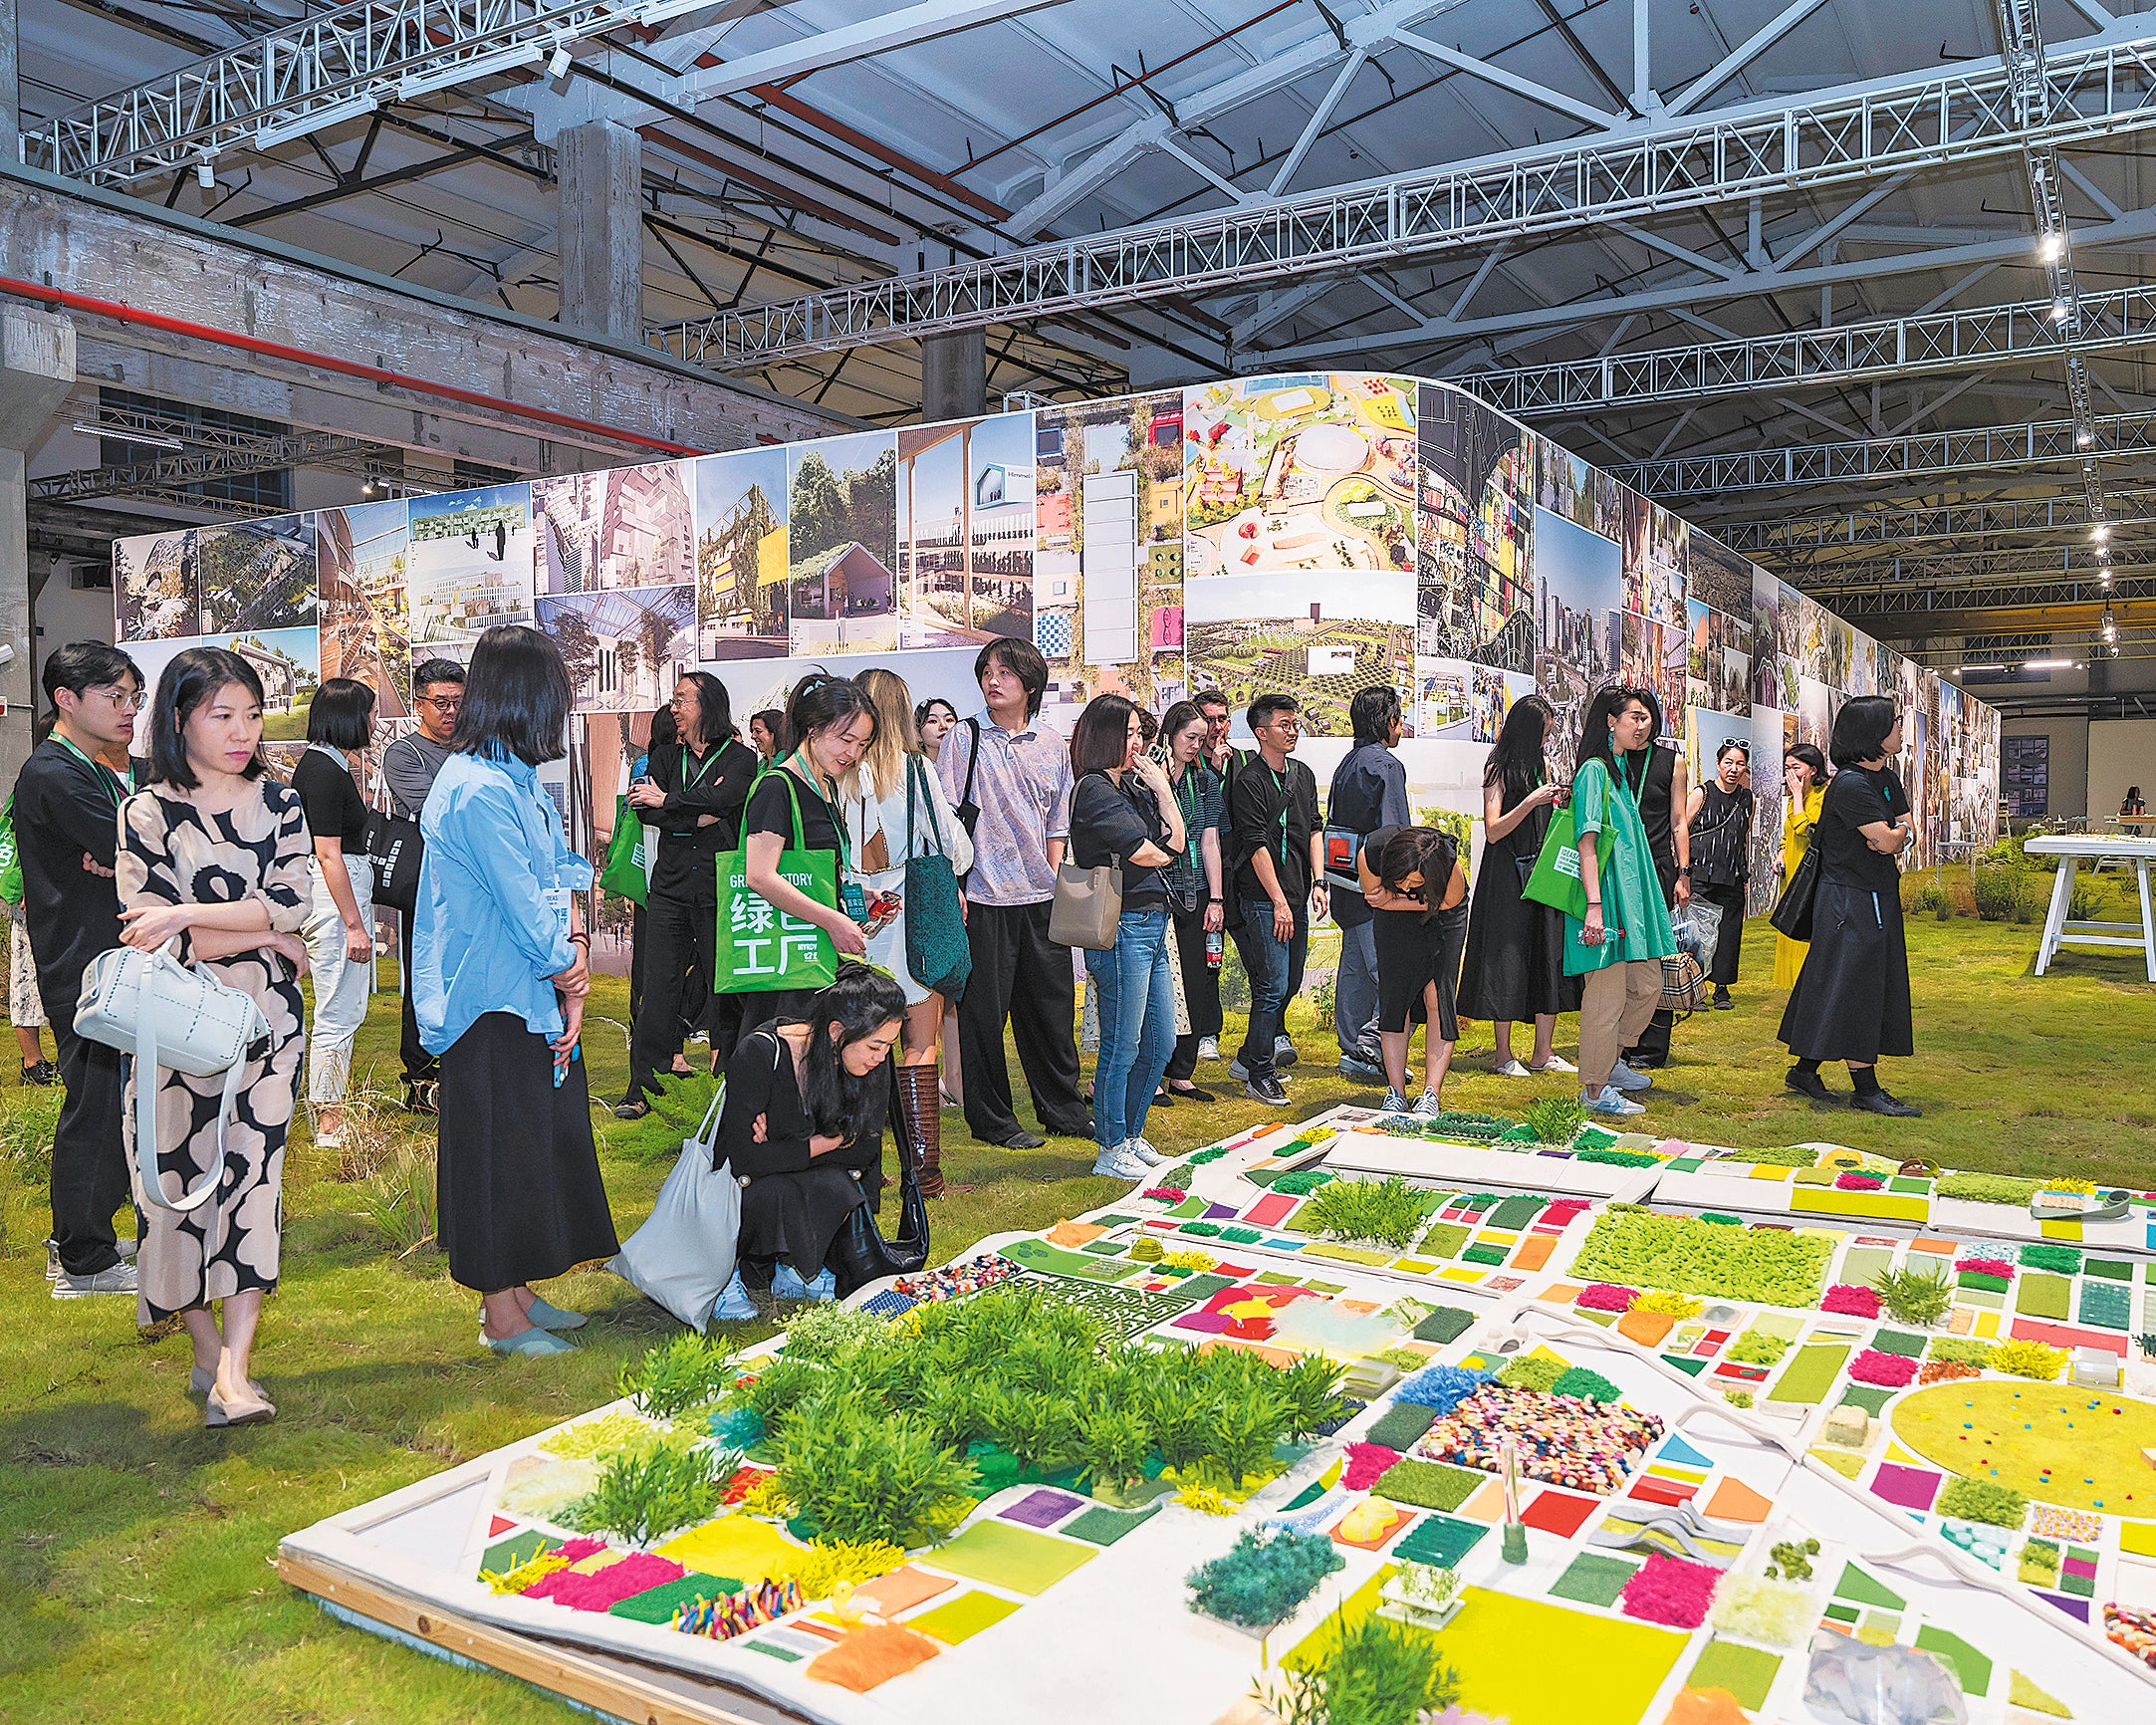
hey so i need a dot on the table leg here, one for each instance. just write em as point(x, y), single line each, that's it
point(2055, 918)
point(2148, 926)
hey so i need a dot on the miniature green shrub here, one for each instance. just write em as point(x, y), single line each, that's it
point(1772, 1266)
point(2035, 1360)
point(1981, 1500)
point(1311, 1390)
point(1588, 1385)
point(1962, 1349)
point(1618, 1158)
point(1920, 1296)
point(1782, 1157)
point(1299, 1181)
point(1792, 1561)
point(828, 1331)
point(1738, 1397)
point(1112, 1444)
point(1555, 1119)
point(1263, 1578)
point(862, 1473)
point(1532, 1372)
point(644, 1495)
point(678, 1376)
point(1758, 1348)
point(1387, 1212)
point(1675, 1304)
point(1987, 1188)
point(1373, 1671)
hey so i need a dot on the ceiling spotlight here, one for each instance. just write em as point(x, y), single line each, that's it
point(205, 176)
point(2049, 247)
point(557, 68)
point(2101, 532)
point(2060, 311)
point(2084, 438)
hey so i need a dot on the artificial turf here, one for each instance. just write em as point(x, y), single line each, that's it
point(2059, 1444)
point(136, 1565)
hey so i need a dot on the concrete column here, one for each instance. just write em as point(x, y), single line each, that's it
point(37, 369)
point(9, 86)
point(601, 164)
point(954, 376)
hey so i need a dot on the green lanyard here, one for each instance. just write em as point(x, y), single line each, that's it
point(830, 802)
point(689, 782)
point(1281, 781)
point(115, 787)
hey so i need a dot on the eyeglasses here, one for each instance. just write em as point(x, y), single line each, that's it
point(123, 701)
point(442, 703)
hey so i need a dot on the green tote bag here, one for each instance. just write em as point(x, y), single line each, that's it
point(760, 949)
point(622, 872)
point(1555, 880)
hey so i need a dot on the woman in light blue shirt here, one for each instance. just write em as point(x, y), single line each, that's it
point(499, 981)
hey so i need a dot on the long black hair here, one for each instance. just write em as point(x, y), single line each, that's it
point(820, 700)
point(516, 697)
point(858, 1003)
point(1516, 763)
point(714, 707)
point(1594, 741)
point(191, 678)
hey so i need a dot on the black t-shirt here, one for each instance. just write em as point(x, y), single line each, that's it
point(66, 809)
point(770, 812)
point(1276, 813)
point(717, 785)
point(1855, 798)
point(331, 800)
point(1111, 821)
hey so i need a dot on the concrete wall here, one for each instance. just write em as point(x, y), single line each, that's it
point(2122, 752)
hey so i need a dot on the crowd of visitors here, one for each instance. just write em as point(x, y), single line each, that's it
point(851, 905)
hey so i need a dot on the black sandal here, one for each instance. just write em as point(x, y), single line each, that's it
point(1192, 1095)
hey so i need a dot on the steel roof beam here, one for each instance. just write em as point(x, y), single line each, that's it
point(1957, 114)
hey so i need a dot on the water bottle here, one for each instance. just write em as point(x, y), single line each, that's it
point(1213, 949)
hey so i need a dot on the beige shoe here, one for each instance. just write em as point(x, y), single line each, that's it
point(253, 1411)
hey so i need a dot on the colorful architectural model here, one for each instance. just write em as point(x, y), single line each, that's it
point(1278, 1422)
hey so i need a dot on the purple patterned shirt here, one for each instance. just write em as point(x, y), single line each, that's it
point(1023, 788)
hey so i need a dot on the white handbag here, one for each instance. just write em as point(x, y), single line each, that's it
point(151, 1006)
point(683, 1254)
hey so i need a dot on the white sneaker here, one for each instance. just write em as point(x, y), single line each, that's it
point(1513, 1068)
point(1119, 1164)
point(119, 1279)
point(1427, 1106)
point(1623, 1078)
point(1209, 1048)
point(1283, 1053)
point(1238, 1071)
point(1396, 1104)
point(1144, 1151)
point(1610, 1101)
point(1555, 1063)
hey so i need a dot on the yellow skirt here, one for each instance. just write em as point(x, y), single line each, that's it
point(1788, 959)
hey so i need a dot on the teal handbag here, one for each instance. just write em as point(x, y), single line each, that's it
point(938, 951)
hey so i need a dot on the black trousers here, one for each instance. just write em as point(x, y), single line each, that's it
point(420, 1066)
point(1022, 976)
point(1201, 993)
point(1652, 1048)
point(679, 936)
point(90, 1163)
point(1730, 947)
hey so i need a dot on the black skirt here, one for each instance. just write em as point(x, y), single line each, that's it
point(1851, 999)
point(518, 1193)
point(1413, 951)
point(792, 1218)
point(1515, 966)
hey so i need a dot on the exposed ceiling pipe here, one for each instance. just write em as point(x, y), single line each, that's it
point(62, 299)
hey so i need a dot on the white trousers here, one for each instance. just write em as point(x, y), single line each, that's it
point(340, 985)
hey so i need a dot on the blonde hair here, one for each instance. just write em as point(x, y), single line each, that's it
point(896, 736)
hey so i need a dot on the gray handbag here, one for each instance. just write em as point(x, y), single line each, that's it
point(1088, 904)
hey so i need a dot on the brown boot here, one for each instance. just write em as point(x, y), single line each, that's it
point(918, 1095)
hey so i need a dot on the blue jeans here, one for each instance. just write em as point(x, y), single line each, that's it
point(1137, 1025)
point(1275, 969)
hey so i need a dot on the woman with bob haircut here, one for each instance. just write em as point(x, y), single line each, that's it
point(1851, 1000)
point(499, 984)
point(340, 931)
point(830, 724)
point(213, 859)
point(1124, 810)
point(802, 1129)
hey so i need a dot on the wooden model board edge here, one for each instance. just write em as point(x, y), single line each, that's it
point(565, 1671)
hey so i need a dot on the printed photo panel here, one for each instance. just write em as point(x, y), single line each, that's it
point(365, 626)
point(741, 502)
point(842, 545)
point(966, 525)
point(468, 567)
point(624, 527)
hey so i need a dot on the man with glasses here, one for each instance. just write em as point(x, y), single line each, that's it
point(409, 766)
point(1279, 882)
point(67, 836)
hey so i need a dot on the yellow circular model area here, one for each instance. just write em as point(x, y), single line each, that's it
point(2077, 1448)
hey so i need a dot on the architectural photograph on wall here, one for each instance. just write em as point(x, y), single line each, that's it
point(1036, 864)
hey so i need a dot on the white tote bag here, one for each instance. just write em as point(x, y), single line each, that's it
point(683, 1256)
point(151, 1006)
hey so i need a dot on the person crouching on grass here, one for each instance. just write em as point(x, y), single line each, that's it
point(1417, 894)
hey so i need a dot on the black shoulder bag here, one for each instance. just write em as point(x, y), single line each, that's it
point(393, 850)
point(968, 810)
point(859, 1254)
point(1791, 913)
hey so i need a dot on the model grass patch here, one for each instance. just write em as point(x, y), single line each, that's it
point(1767, 1267)
point(2077, 1448)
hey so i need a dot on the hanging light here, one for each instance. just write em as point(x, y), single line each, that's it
point(2051, 246)
point(2061, 310)
point(2101, 532)
point(2084, 438)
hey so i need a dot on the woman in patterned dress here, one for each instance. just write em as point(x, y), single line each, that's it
point(214, 856)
